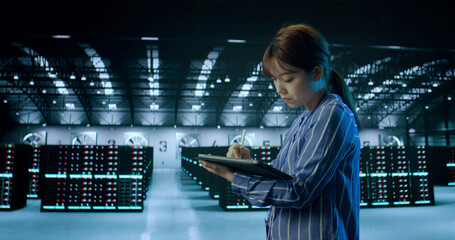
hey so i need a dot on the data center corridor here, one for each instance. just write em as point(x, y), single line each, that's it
point(177, 208)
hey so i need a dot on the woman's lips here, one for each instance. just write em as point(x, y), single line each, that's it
point(286, 99)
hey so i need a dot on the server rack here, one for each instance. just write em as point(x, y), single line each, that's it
point(451, 166)
point(364, 199)
point(395, 176)
point(33, 172)
point(230, 201)
point(95, 178)
point(191, 166)
point(14, 180)
point(131, 178)
point(218, 187)
point(421, 186)
point(389, 176)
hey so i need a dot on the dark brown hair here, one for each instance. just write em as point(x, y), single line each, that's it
point(304, 47)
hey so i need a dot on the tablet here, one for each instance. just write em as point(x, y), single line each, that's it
point(247, 165)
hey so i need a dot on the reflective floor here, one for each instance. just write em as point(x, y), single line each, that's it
point(177, 208)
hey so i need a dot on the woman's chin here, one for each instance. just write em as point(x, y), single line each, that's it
point(293, 105)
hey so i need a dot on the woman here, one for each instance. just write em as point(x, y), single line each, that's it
point(320, 150)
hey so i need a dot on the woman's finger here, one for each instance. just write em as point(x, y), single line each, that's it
point(234, 151)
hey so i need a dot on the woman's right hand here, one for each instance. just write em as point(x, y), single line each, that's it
point(237, 150)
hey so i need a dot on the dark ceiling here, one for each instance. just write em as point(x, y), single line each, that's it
point(389, 83)
point(363, 22)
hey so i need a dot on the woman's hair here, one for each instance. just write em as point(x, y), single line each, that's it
point(304, 47)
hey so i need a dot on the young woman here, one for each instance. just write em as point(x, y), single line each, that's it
point(320, 150)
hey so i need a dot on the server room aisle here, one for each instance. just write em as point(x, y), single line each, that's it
point(178, 209)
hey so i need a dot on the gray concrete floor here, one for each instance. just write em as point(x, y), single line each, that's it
point(177, 208)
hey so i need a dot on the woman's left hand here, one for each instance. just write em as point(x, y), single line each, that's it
point(218, 169)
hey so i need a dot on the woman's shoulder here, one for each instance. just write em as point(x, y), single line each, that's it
point(332, 100)
point(333, 106)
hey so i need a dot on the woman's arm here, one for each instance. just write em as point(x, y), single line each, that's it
point(325, 146)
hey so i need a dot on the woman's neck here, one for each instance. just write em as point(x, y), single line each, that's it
point(315, 100)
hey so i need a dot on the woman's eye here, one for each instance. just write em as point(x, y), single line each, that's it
point(289, 80)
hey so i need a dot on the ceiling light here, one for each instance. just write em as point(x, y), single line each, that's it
point(16, 77)
point(370, 83)
point(112, 106)
point(236, 41)
point(149, 38)
point(218, 80)
point(61, 36)
point(54, 102)
point(17, 114)
point(44, 91)
point(237, 108)
point(196, 107)
point(449, 98)
point(88, 124)
point(154, 107)
point(83, 78)
point(198, 93)
point(5, 101)
point(252, 79)
point(32, 83)
point(227, 79)
point(259, 94)
point(70, 105)
point(435, 85)
point(72, 77)
point(151, 79)
point(251, 104)
point(277, 108)
point(59, 84)
point(270, 86)
point(92, 84)
point(218, 126)
point(212, 85)
point(404, 85)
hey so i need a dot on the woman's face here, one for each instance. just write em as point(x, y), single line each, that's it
point(296, 86)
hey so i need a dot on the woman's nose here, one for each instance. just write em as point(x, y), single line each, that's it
point(279, 87)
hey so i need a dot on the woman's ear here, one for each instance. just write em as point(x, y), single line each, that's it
point(317, 73)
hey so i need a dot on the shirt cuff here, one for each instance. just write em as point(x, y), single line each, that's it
point(240, 183)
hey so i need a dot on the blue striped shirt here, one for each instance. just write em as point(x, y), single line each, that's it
point(321, 151)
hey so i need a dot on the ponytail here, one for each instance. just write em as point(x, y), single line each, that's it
point(339, 87)
point(304, 47)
